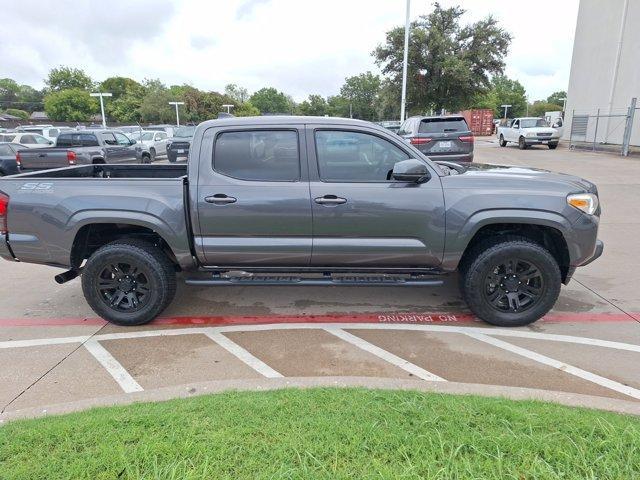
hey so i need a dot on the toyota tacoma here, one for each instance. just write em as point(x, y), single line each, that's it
point(303, 201)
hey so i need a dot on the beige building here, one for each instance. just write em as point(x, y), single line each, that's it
point(605, 71)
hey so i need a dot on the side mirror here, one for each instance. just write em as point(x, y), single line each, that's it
point(411, 170)
point(132, 141)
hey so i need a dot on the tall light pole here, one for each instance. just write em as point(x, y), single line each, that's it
point(506, 107)
point(404, 62)
point(177, 114)
point(101, 95)
point(564, 104)
point(228, 106)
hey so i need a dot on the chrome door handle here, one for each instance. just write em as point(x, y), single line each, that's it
point(330, 200)
point(220, 199)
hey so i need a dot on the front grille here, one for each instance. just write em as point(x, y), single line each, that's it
point(544, 134)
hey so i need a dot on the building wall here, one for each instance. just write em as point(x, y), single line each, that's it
point(593, 66)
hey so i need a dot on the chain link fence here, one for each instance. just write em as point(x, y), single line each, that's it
point(606, 130)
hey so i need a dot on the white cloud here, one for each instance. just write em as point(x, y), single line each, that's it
point(300, 47)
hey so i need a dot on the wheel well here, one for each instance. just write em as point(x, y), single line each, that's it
point(548, 237)
point(91, 237)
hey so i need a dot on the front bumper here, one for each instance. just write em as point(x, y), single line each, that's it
point(541, 141)
point(596, 254)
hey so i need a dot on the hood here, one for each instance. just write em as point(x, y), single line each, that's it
point(520, 175)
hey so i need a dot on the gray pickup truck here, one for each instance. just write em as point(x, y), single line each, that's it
point(303, 201)
point(84, 147)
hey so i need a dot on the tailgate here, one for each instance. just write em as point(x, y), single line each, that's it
point(43, 158)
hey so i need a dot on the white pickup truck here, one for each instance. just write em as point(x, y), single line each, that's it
point(527, 131)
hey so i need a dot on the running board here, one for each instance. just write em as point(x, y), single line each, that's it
point(343, 280)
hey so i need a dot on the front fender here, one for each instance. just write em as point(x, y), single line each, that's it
point(457, 241)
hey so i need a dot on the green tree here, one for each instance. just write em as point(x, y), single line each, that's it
point(509, 92)
point(315, 105)
point(387, 103)
point(557, 98)
point(155, 103)
point(338, 106)
point(270, 100)
point(448, 64)
point(16, 112)
point(120, 86)
point(540, 107)
point(246, 109)
point(22, 97)
point(362, 92)
point(70, 105)
point(9, 90)
point(63, 78)
point(237, 94)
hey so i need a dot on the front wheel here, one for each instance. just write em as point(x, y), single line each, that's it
point(510, 282)
point(503, 142)
point(553, 146)
point(129, 282)
point(522, 144)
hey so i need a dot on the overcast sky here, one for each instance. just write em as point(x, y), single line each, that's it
point(298, 46)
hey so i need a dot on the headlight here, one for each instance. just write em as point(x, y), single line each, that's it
point(587, 202)
point(531, 134)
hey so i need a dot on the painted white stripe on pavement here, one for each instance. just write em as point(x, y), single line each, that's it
point(243, 355)
point(502, 332)
point(570, 369)
point(115, 369)
point(384, 355)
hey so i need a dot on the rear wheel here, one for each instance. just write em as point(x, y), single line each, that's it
point(510, 282)
point(129, 282)
point(522, 144)
point(503, 142)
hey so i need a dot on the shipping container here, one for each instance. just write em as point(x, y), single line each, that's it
point(480, 121)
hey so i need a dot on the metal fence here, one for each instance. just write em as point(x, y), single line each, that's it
point(605, 130)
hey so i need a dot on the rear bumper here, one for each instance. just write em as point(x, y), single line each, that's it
point(458, 157)
point(5, 250)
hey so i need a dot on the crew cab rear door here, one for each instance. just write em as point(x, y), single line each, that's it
point(253, 205)
point(362, 217)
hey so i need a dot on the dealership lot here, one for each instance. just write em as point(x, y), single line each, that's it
point(54, 351)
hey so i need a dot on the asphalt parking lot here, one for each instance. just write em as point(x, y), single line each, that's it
point(56, 356)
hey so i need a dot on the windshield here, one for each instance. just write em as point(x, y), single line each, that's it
point(185, 132)
point(533, 122)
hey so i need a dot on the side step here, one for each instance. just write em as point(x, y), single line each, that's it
point(345, 280)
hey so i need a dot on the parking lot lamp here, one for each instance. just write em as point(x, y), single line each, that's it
point(228, 106)
point(506, 107)
point(102, 95)
point(404, 62)
point(564, 104)
point(177, 114)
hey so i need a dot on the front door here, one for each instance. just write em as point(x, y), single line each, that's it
point(362, 217)
point(253, 197)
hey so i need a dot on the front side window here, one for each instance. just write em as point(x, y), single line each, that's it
point(122, 139)
point(355, 157)
point(109, 138)
point(260, 155)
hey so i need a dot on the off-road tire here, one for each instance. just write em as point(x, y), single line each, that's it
point(151, 260)
point(480, 261)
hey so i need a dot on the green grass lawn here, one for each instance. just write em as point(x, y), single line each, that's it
point(325, 433)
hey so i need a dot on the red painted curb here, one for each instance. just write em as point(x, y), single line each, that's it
point(408, 318)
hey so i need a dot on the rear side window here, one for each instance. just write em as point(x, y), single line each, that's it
point(259, 155)
point(68, 140)
point(6, 151)
point(443, 125)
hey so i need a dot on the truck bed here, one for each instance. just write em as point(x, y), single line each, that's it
point(48, 209)
point(111, 171)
